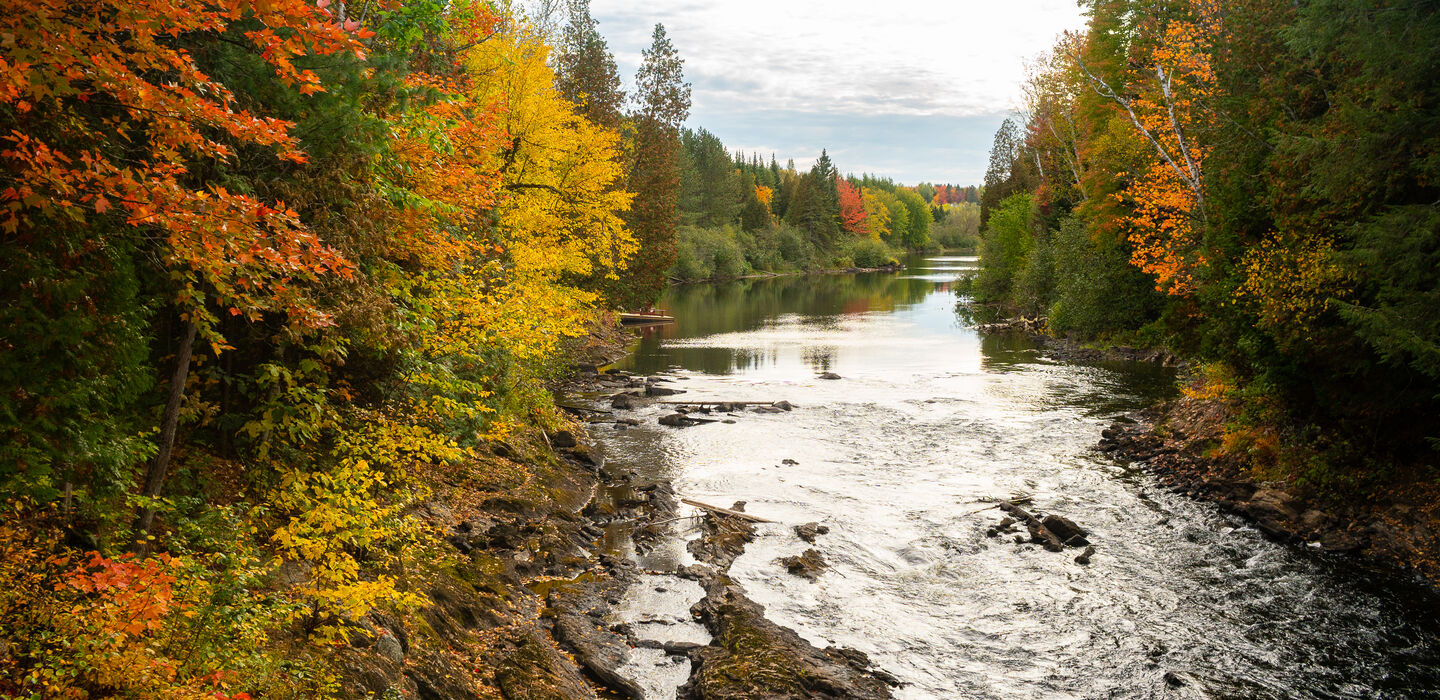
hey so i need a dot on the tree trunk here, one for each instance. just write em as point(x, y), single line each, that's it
point(160, 466)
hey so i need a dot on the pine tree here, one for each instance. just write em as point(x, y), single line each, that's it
point(663, 105)
point(585, 72)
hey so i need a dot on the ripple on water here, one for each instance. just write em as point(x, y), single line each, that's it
point(899, 458)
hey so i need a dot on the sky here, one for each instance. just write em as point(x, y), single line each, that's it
point(909, 90)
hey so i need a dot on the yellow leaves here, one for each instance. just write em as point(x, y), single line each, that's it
point(1291, 280)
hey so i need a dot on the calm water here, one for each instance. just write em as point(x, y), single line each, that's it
point(900, 457)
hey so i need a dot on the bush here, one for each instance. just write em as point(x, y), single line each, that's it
point(708, 254)
point(866, 252)
point(1096, 289)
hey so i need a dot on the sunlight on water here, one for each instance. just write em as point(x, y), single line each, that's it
point(899, 457)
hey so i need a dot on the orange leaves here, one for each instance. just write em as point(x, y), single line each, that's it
point(62, 63)
point(131, 596)
point(852, 207)
point(1174, 84)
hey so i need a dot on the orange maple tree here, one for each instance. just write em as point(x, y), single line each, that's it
point(852, 207)
point(111, 113)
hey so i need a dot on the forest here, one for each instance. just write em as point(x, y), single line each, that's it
point(741, 215)
point(1251, 184)
point(272, 273)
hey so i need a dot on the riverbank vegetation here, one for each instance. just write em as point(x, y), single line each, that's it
point(1254, 185)
point(273, 275)
point(742, 216)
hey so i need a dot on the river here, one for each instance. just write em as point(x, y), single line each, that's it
point(900, 458)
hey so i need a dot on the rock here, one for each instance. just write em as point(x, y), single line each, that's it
point(1314, 520)
point(789, 462)
point(829, 375)
point(680, 648)
point(1063, 527)
point(598, 650)
point(627, 421)
point(807, 566)
point(1083, 559)
point(623, 402)
point(784, 405)
point(389, 647)
point(678, 420)
point(809, 531)
point(753, 658)
point(738, 506)
point(652, 390)
point(766, 409)
point(1173, 680)
point(537, 671)
point(1005, 523)
point(563, 439)
point(1272, 503)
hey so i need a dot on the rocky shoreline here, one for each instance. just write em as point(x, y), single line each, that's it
point(1176, 443)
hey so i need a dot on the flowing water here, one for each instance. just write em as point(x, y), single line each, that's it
point(900, 457)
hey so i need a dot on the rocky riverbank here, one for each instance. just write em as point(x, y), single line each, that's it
point(751, 657)
point(1178, 443)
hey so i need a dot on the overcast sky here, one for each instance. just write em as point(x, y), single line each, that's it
point(910, 90)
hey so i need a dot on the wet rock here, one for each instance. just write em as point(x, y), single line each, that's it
point(598, 650)
point(789, 462)
point(696, 572)
point(1173, 680)
point(766, 409)
point(723, 540)
point(627, 421)
point(678, 420)
point(537, 671)
point(1083, 559)
point(563, 439)
point(680, 648)
point(753, 658)
point(624, 402)
point(807, 566)
point(1063, 527)
point(809, 531)
point(784, 405)
point(652, 390)
point(829, 375)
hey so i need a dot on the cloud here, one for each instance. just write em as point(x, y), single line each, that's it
point(810, 60)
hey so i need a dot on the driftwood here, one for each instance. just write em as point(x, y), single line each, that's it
point(719, 403)
point(725, 511)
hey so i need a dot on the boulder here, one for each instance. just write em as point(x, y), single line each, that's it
point(807, 566)
point(829, 375)
point(809, 531)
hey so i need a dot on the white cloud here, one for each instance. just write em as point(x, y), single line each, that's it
point(805, 59)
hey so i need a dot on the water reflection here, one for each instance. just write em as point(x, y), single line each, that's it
point(898, 458)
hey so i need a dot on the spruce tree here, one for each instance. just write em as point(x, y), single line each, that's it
point(663, 104)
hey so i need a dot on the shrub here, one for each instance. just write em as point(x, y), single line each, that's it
point(866, 252)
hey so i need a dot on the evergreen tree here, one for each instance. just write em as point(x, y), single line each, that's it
point(585, 72)
point(663, 99)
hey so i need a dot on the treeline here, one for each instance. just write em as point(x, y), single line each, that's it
point(741, 214)
point(1255, 184)
point(269, 274)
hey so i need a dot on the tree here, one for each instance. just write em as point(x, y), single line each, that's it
point(852, 207)
point(663, 105)
point(585, 71)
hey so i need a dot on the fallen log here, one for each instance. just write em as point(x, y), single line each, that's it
point(725, 511)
